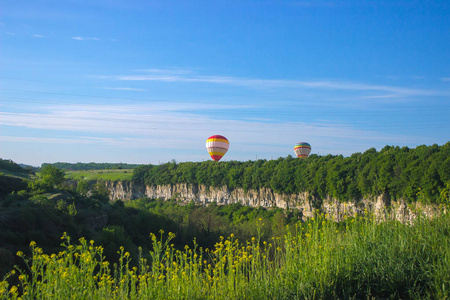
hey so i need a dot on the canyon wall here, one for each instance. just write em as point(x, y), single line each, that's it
point(382, 206)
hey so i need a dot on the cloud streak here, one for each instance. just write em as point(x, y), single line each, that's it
point(185, 76)
point(79, 38)
point(140, 128)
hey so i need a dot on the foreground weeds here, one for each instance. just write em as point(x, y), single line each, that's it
point(320, 259)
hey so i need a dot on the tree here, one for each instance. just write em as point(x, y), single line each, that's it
point(83, 187)
point(52, 175)
point(100, 192)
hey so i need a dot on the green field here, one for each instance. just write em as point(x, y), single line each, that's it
point(94, 175)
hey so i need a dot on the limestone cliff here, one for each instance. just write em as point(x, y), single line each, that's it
point(381, 206)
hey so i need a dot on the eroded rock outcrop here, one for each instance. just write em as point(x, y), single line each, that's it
point(381, 206)
point(124, 190)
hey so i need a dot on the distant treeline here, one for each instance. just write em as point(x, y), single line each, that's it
point(91, 166)
point(419, 174)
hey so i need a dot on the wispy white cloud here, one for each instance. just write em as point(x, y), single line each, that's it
point(156, 107)
point(79, 38)
point(38, 36)
point(445, 79)
point(388, 96)
point(140, 128)
point(187, 76)
point(32, 139)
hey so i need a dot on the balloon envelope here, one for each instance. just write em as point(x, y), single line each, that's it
point(302, 149)
point(217, 146)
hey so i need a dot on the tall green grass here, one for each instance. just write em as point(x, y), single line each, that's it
point(359, 258)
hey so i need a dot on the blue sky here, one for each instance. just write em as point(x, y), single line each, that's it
point(150, 81)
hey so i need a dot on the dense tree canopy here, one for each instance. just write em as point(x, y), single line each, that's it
point(419, 174)
point(52, 175)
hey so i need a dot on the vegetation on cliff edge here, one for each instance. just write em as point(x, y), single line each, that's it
point(420, 174)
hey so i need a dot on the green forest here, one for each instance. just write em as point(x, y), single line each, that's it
point(418, 174)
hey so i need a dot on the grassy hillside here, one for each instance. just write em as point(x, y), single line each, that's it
point(11, 169)
point(13, 177)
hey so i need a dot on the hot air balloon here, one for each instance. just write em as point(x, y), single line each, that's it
point(217, 146)
point(302, 149)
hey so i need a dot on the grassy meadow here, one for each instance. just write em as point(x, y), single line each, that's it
point(358, 258)
point(106, 174)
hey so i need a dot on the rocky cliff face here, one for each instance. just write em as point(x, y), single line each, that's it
point(381, 206)
point(125, 190)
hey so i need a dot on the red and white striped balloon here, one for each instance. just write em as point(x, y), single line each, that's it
point(217, 146)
